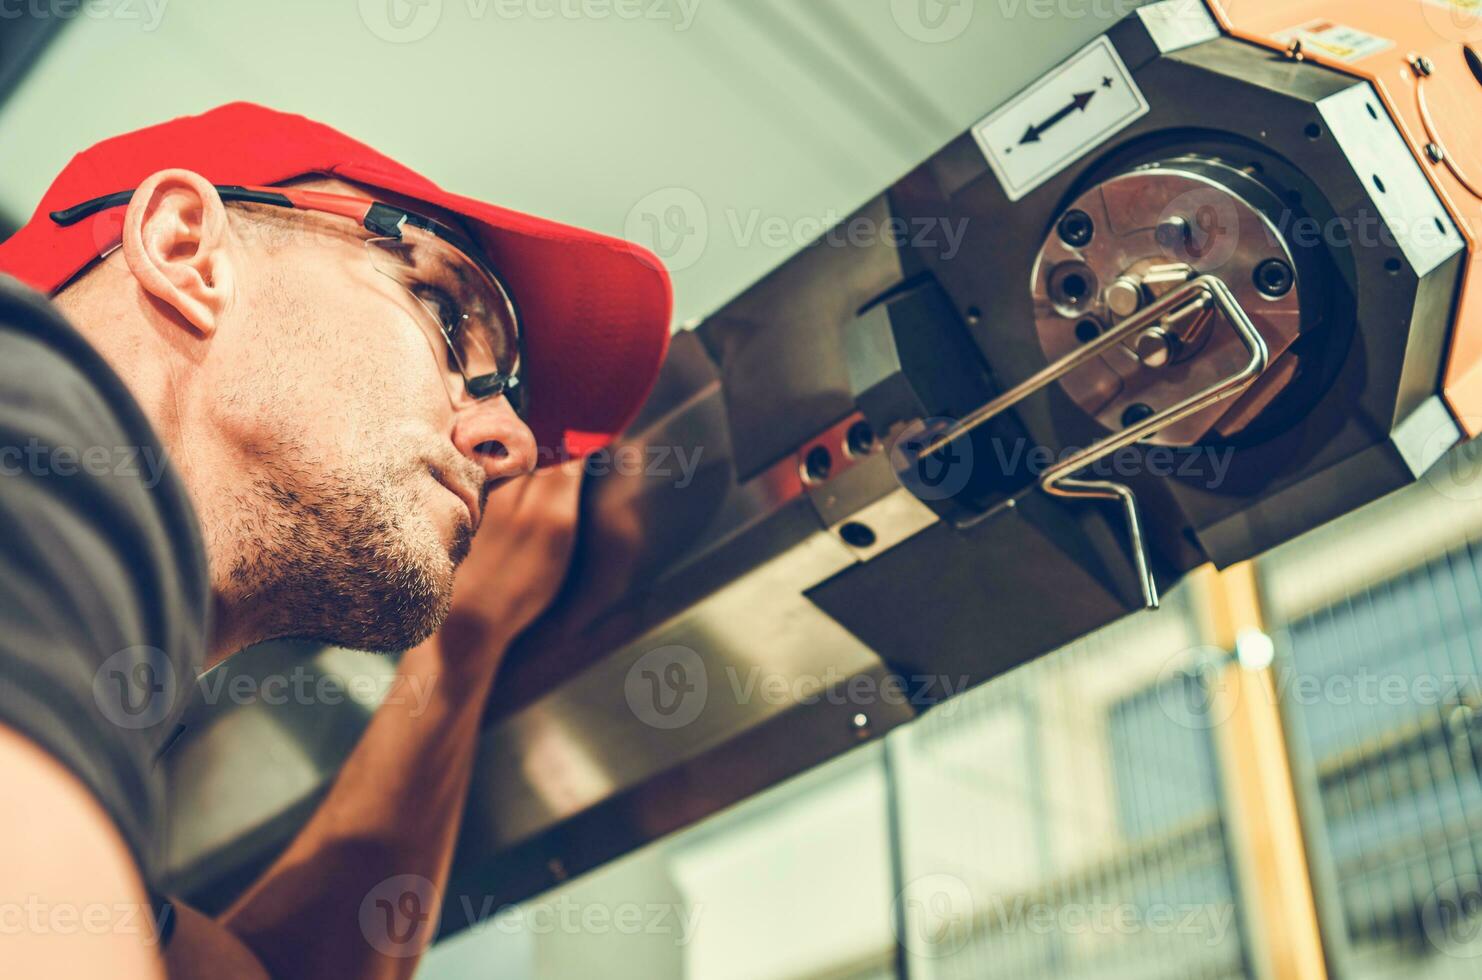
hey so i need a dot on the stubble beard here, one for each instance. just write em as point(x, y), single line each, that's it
point(344, 559)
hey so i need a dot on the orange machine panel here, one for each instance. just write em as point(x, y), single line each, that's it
point(1424, 57)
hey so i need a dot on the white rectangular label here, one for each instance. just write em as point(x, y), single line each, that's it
point(1336, 40)
point(1053, 123)
point(1178, 24)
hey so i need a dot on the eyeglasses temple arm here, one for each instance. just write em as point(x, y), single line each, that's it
point(250, 195)
point(378, 218)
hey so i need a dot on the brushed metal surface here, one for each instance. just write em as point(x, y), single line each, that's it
point(678, 567)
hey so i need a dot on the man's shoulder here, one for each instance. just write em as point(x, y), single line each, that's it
point(71, 431)
point(104, 617)
point(35, 336)
point(26, 315)
point(16, 295)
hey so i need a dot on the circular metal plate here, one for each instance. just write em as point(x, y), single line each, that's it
point(1170, 220)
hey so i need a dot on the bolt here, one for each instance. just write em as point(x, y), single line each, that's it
point(1077, 229)
point(1135, 413)
point(1436, 153)
point(1154, 347)
point(1172, 233)
point(1274, 278)
point(1422, 66)
point(1124, 297)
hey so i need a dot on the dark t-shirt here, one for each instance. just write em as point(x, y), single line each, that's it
point(104, 596)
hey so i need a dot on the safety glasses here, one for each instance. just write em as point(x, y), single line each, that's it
point(461, 296)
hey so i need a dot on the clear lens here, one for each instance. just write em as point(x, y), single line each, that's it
point(468, 306)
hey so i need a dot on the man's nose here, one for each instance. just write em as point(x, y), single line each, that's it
point(492, 435)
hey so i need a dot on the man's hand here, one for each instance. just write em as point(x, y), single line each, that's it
point(518, 561)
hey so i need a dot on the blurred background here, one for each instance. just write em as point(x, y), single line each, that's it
point(1104, 812)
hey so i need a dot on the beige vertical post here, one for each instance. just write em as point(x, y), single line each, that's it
point(1250, 743)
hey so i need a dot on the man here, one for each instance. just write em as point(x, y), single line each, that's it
point(339, 362)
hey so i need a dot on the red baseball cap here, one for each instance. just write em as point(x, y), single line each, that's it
point(594, 310)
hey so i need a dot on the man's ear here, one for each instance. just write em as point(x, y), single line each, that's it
point(177, 243)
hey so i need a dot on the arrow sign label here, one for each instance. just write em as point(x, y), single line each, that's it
point(1077, 104)
point(1077, 107)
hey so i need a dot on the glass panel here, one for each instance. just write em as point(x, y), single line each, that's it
point(1065, 820)
point(1383, 687)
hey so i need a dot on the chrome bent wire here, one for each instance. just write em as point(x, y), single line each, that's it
point(1058, 479)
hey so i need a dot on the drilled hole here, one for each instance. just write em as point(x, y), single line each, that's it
point(1071, 287)
point(1313, 131)
point(1077, 229)
point(1393, 266)
point(860, 440)
point(857, 535)
point(1474, 62)
point(1087, 331)
point(817, 465)
point(1274, 278)
point(1379, 183)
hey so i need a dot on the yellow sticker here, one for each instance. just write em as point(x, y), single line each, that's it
point(1339, 40)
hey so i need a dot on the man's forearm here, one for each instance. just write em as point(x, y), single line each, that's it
point(393, 811)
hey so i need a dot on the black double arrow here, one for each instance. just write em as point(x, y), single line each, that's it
point(1077, 104)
